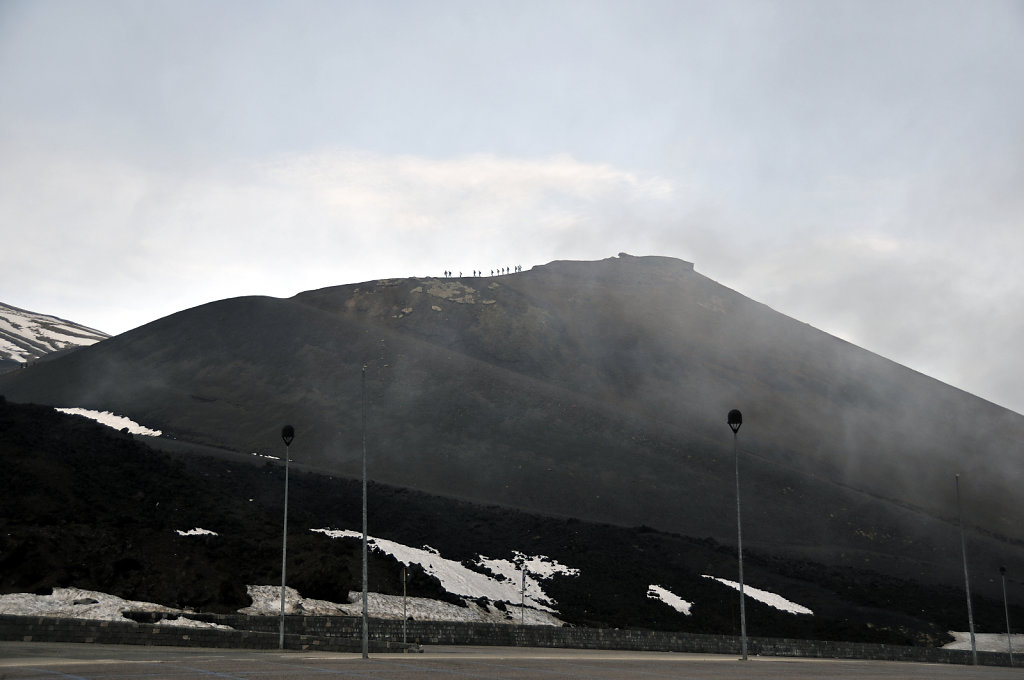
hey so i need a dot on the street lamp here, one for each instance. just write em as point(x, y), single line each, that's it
point(967, 581)
point(1006, 609)
point(735, 419)
point(522, 604)
point(366, 586)
point(366, 615)
point(287, 435)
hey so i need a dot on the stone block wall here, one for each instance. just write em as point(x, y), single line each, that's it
point(50, 629)
point(344, 634)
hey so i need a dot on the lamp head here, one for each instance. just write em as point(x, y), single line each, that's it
point(287, 434)
point(735, 420)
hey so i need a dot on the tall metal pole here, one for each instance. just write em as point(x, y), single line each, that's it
point(1006, 609)
point(967, 581)
point(522, 606)
point(366, 625)
point(287, 434)
point(735, 419)
point(405, 612)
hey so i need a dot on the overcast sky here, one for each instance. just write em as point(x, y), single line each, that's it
point(856, 165)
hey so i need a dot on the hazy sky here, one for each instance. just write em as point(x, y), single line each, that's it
point(856, 165)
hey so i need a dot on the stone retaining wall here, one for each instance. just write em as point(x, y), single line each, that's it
point(51, 629)
point(344, 633)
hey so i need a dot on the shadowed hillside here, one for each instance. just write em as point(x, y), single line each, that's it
point(86, 506)
point(595, 390)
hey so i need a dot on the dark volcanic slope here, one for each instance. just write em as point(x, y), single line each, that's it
point(595, 390)
point(83, 505)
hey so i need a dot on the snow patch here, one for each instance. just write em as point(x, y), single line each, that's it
point(770, 599)
point(196, 532)
point(669, 598)
point(987, 642)
point(61, 603)
point(110, 420)
point(266, 601)
point(266, 455)
point(458, 579)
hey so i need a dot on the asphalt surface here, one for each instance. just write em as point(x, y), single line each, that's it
point(35, 660)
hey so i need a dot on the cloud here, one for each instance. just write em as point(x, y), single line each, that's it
point(295, 222)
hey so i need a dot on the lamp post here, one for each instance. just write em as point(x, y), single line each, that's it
point(522, 604)
point(366, 614)
point(967, 581)
point(366, 624)
point(1006, 609)
point(287, 435)
point(735, 419)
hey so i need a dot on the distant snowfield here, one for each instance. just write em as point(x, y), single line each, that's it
point(27, 335)
point(110, 420)
point(505, 586)
point(770, 599)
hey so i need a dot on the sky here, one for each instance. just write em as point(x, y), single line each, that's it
point(856, 165)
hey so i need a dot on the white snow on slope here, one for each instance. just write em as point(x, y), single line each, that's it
point(110, 420)
point(61, 603)
point(27, 335)
point(770, 599)
point(93, 605)
point(458, 579)
point(536, 565)
point(266, 601)
point(669, 598)
point(196, 532)
point(987, 642)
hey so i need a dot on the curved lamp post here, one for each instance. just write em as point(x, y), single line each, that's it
point(1006, 609)
point(735, 419)
point(366, 613)
point(287, 435)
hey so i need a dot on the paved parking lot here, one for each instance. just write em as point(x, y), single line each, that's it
point(36, 660)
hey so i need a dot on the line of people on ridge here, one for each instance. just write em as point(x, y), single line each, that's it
point(501, 271)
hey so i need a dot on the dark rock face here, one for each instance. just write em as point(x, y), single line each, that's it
point(593, 390)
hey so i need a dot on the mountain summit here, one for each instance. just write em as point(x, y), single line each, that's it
point(596, 390)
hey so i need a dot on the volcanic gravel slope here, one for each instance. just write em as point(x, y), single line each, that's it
point(593, 390)
point(86, 506)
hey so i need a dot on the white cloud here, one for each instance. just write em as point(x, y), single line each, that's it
point(303, 221)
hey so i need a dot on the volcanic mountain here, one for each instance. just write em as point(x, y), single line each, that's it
point(592, 390)
point(26, 336)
